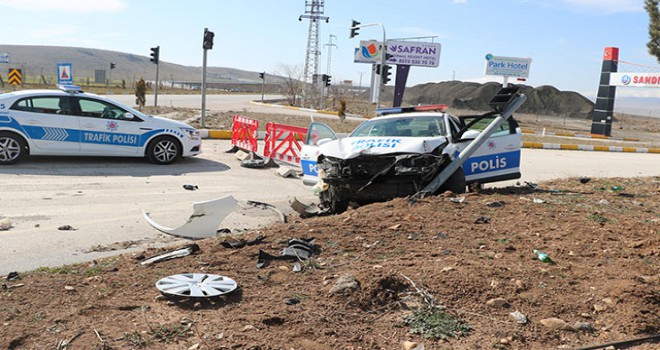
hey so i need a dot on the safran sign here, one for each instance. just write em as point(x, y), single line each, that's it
point(635, 79)
point(413, 53)
point(508, 66)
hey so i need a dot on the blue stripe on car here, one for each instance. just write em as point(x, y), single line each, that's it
point(492, 162)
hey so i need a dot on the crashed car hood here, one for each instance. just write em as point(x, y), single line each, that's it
point(352, 147)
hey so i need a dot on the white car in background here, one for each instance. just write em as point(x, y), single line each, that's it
point(69, 122)
point(399, 152)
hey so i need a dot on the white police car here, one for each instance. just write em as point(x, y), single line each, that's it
point(69, 122)
point(401, 151)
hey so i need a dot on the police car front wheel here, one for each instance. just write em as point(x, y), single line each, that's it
point(164, 150)
point(12, 148)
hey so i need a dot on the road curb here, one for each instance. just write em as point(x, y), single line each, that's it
point(570, 147)
point(584, 136)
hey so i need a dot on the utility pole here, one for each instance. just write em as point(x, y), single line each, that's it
point(330, 45)
point(207, 44)
point(313, 11)
point(360, 87)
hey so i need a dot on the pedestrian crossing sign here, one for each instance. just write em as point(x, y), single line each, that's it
point(64, 74)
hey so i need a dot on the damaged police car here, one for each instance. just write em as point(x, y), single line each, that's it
point(70, 122)
point(402, 150)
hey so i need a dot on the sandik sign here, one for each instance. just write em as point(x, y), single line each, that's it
point(635, 79)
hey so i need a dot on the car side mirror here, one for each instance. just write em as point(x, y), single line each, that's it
point(470, 135)
point(128, 116)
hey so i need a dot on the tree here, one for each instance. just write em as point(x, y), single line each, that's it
point(293, 83)
point(653, 45)
point(140, 92)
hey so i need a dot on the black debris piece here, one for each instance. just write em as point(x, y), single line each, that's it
point(253, 163)
point(297, 249)
point(584, 179)
point(190, 187)
point(482, 220)
point(497, 204)
point(66, 228)
point(13, 276)
point(242, 243)
point(532, 185)
point(292, 301)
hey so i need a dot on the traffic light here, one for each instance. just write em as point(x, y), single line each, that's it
point(385, 74)
point(112, 65)
point(354, 29)
point(155, 52)
point(208, 39)
point(262, 75)
point(326, 79)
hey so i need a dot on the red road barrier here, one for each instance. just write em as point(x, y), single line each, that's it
point(283, 142)
point(244, 133)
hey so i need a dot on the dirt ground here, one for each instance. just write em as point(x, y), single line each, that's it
point(444, 272)
point(455, 267)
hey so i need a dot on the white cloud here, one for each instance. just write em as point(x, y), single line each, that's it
point(65, 6)
point(460, 1)
point(419, 32)
point(65, 30)
point(606, 6)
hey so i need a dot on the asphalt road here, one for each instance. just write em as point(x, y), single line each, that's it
point(102, 200)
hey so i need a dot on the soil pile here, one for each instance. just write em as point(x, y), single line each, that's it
point(545, 100)
point(457, 270)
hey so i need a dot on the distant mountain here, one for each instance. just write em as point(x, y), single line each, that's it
point(42, 60)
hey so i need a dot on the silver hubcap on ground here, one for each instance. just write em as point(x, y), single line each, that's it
point(9, 149)
point(165, 151)
point(199, 285)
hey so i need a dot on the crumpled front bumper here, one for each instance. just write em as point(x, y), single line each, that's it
point(371, 178)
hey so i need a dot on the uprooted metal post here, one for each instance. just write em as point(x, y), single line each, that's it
point(512, 103)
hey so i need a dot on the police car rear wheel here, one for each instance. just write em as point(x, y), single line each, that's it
point(164, 150)
point(12, 148)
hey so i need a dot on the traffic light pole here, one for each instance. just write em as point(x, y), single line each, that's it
point(263, 85)
point(203, 118)
point(156, 89)
point(383, 53)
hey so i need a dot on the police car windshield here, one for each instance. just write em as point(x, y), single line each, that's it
point(431, 126)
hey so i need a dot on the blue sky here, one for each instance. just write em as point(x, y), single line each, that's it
point(564, 38)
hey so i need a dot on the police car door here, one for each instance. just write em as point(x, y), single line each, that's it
point(50, 124)
point(498, 159)
point(106, 131)
point(310, 150)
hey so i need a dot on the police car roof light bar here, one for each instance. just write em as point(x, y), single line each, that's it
point(423, 108)
point(70, 88)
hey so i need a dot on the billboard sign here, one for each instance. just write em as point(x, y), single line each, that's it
point(4, 57)
point(400, 52)
point(368, 52)
point(635, 79)
point(413, 53)
point(508, 66)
